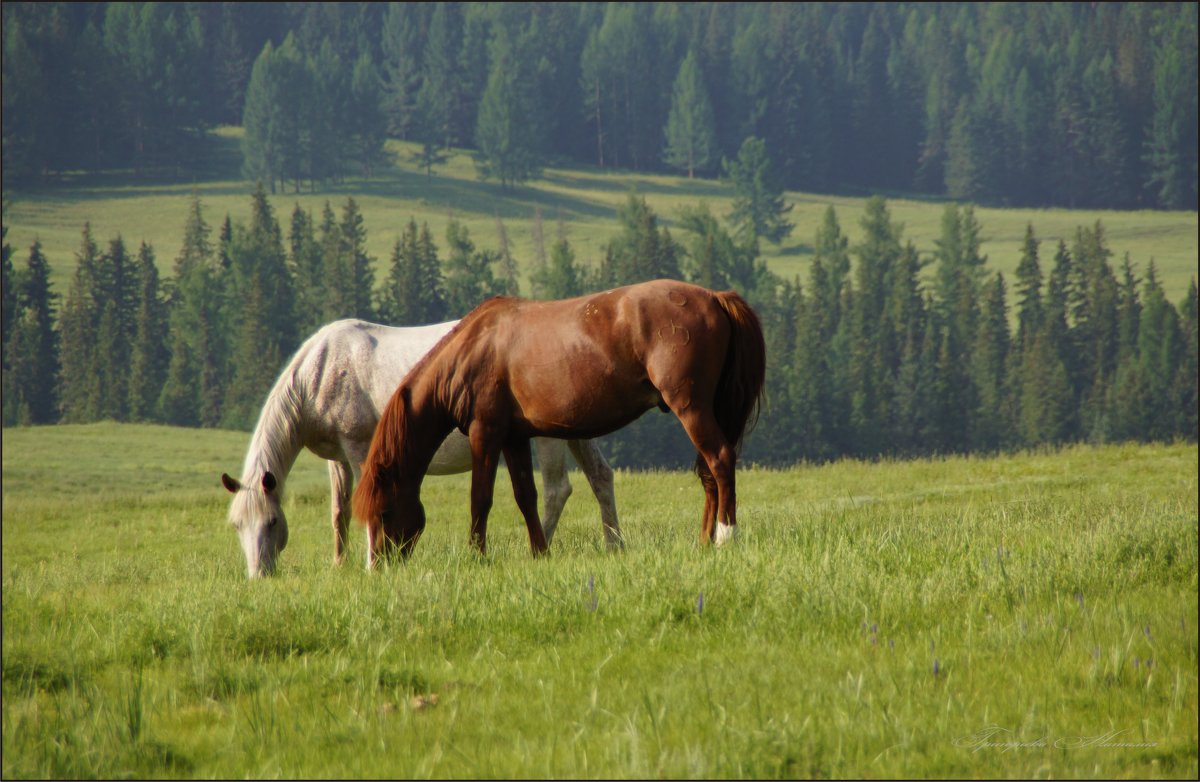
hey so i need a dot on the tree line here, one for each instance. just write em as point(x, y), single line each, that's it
point(872, 355)
point(1069, 104)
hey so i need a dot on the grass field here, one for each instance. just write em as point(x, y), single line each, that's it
point(1020, 616)
point(585, 200)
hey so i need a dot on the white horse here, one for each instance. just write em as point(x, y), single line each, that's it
point(328, 400)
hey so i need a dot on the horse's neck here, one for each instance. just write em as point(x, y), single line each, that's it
point(278, 437)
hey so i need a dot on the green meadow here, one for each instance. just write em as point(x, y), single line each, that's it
point(1023, 616)
point(582, 201)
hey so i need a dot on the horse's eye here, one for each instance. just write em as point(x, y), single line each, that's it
point(272, 521)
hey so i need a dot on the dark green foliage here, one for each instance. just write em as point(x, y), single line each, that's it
point(508, 131)
point(259, 312)
point(414, 292)
point(641, 251)
point(469, 277)
point(893, 361)
point(31, 350)
point(691, 141)
point(149, 357)
point(194, 389)
point(758, 204)
point(561, 278)
point(1064, 104)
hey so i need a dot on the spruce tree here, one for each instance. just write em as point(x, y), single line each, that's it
point(759, 209)
point(368, 132)
point(691, 141)
point(261, 312)
point(1160, 347)
point(469, 278)
point(1029, 291)
point(412, 294)
point(509, 284)
point(197, 373)
point(306, 263)
point(400, 41)
point(79, 391)
point(988, 364)
point(507, 131)
point(561, 277)
point(359, 265)
point(149, 358)
point(32, 352)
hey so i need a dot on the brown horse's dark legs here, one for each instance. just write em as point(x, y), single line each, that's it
point(718, 456)
point(485, 458)
point(709, 516)
point(520, 470)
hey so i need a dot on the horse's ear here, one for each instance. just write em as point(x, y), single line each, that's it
point(230, 484)
point(268, 482)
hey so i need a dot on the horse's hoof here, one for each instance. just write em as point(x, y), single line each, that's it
point(725, 533)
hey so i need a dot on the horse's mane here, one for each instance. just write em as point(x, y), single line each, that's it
point(275, 442)
point(390, 446)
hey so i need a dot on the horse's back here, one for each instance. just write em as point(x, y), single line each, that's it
point(348, 370)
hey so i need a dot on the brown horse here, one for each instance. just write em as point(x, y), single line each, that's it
point(578, 368)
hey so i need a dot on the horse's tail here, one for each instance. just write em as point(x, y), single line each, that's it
point(740, 389)
point(377, 485)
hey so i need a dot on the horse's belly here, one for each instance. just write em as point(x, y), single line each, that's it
point(585, 406)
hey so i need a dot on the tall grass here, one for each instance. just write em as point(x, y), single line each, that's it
point(585, 200)
point(1020, 616)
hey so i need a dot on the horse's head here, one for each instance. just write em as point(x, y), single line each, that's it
point(257, 515)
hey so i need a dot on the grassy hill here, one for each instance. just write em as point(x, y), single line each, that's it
point(584, 200)
point(1024, 616)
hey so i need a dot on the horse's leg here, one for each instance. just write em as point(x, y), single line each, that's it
point(485, 458)
point(719, 457)
point(600, 476)
point(520, 470)
point(552, 456)
point(708, 517)
point(341, 484)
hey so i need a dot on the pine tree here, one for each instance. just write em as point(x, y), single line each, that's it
point(1187, 376)
point(507, 133)
point(440, 99)
point(1029, 291)
point(260, 310)
point(469, 278)
point(759, 208)
point(368, 131)
point(691, 141)
point(31, 352)
point(641, 251)
point(353, 247)
point(413, 293)
point(197, 373)
point(561, 277)
point(8, 287)
point(1160, 346)
point(1047, 415)
point(149, 358)
point(264, 141)
point(1171, 142)
point(509, 284)
point(989, 361)
point(306, 263)
point(401, 42)
point(79, 394)
point(717, 261)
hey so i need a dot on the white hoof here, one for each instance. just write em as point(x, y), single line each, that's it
point(726, 533)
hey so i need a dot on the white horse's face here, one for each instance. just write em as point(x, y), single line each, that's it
point(257, 516)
